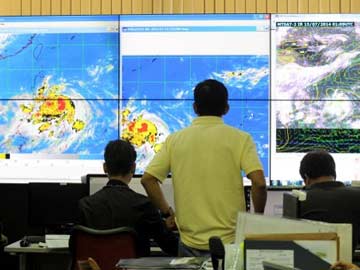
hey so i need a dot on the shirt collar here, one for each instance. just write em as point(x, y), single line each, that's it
point(327, 184)
point(113, 182)
point(207, 120)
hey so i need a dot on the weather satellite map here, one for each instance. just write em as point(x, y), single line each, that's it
point(157, 97)
point(317, 88)
point(59, 93)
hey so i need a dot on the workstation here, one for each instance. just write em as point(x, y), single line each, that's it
point(43, 197)
point(79, 74)
point(42, 253)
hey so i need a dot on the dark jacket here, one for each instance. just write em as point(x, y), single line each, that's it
point(333, 202)
point(116, 205)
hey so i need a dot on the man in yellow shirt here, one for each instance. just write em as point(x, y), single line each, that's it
point(205, 161)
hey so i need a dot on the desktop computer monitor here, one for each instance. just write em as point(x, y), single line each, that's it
point(53, 205)
point(274, 201)
point(98, 181)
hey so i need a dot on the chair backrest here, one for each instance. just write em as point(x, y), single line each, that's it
point(290, 205)
point(106, 247)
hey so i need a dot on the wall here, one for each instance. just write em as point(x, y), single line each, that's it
point(67, 7)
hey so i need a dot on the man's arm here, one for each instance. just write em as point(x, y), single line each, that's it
point(152, 188)
point(154, 225)
point(154, 191)
point(258, 190)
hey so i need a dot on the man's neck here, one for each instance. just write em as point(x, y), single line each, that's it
point(122, 178)
point(321, 179)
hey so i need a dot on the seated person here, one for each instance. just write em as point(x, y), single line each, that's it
point(326, 199)
point(116, 205)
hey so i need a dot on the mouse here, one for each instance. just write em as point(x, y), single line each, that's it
point(24, 242)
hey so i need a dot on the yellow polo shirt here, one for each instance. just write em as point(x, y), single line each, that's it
point(206, 160)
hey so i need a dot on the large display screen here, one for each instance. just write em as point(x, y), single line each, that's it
point(59, 95)
point(72, 83)
point(162, 59)
point(315, 96)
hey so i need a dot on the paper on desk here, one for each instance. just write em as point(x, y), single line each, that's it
point(184, 260)
point(255, 258)
point(325, 249)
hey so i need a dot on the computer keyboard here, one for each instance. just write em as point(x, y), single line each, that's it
point(32, 239)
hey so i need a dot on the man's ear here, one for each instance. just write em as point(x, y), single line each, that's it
point(227, 108)
point(105, 168)
point(195, 109)
point(306, 180)
point(133, 168)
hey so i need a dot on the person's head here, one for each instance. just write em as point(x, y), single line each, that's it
point(317, 166)
point(210, 98)
point(119, 158)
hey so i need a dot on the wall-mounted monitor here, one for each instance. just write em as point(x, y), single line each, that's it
point(59, 95)
point(164, 56)
point(315, 96)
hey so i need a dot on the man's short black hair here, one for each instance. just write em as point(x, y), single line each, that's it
point(317, 163)
point(211, 98)
point(119, 157)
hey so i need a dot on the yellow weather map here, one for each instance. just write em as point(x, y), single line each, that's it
point(50, 109)
point(139, 131)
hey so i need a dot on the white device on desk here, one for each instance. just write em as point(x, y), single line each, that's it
point(57, 240)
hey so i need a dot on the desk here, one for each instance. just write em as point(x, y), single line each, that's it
point(36, 257)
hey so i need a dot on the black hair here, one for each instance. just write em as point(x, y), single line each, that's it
point(316, 164)
point(211, 98)
point(119, 157)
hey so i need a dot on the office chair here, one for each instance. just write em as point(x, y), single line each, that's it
point(89, 264)
point(291, 205)
point(106, 247)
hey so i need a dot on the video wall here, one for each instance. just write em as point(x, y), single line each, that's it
point(69, 84)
